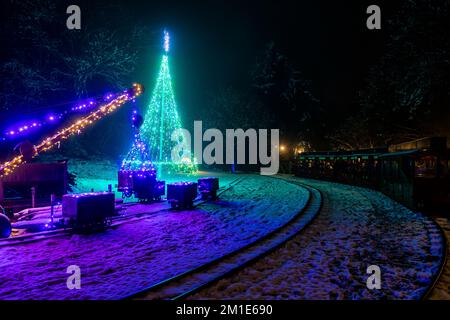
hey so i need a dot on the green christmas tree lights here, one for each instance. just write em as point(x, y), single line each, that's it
point(162, 119)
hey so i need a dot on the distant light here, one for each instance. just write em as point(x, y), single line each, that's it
point(282, 148)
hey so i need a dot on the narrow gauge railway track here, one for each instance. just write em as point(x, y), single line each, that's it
point(440, 279)
point(443, 241)
point(443, 261)
point(116, 221)
point(189, 282)
point(443, 244)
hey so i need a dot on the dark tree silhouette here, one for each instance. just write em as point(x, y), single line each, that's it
point(406, 94)
point(288, 96)
point(47, 66)
point(49, 63)
point(230, 108)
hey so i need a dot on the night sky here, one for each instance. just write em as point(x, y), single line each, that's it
point(215, 44)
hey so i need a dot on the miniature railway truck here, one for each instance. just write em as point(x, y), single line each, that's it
point(5, 226)
point(31, 185)
point(208, 187)
point(181, 195)
point(143, 184)
point(88, 210)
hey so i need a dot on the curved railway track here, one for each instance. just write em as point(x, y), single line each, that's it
point(444, 250)
point(443, 261)
point(188, 283)
point(184, 285)
point(193, 280)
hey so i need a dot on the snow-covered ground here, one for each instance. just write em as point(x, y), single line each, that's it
point(357, 228)
point(137, 254)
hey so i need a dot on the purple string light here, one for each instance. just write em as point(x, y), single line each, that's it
point(24, 128)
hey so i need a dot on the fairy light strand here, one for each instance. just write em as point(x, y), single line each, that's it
point(75, 128)
point(162, 118)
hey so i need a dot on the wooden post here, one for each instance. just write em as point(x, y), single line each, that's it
point(52, 204)
point(33, 197)
point(1, 190)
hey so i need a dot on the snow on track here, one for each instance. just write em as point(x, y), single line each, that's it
point(357, 228)
point(137, 254)
point(186, 284)
point(441, 290)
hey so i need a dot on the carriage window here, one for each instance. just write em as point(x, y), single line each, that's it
point(444, 168)
point(391, 170)
point(426, 167)
point(407, 168)
point(387, 170)
point(395, 170)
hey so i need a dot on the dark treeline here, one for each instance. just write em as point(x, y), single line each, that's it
point(403, 93)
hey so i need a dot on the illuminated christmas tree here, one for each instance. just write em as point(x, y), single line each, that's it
point(162, 119)
point(138, 158)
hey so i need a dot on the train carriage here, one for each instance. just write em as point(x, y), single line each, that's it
point(415, 173)
point(418, 178)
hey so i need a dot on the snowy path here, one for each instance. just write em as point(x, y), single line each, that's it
point(135, 255)
point(357, 228)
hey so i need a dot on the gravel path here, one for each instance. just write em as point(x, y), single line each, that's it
point(357, 228)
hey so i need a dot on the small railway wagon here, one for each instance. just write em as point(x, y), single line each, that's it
point(415, 173)
point(16, 190)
